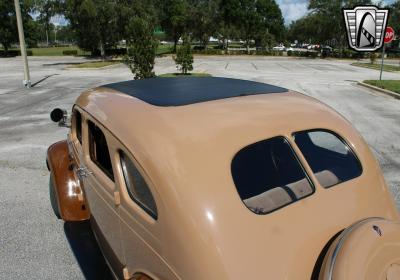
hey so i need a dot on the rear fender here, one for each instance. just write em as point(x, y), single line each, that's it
point(69, 193)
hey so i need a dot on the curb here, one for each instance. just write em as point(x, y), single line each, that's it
point(385, 91)
point(93, 68)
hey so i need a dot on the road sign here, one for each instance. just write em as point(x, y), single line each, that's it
point(389, 35)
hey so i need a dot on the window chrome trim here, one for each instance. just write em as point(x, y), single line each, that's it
point(127, 182)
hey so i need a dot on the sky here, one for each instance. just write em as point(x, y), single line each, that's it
point(295, 9)
point(291, 10)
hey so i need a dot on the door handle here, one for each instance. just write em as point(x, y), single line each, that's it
point(83, 172)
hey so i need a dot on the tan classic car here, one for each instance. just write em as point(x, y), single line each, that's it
point(216, 178)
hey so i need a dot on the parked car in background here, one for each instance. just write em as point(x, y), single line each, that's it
point(279, 48)
point(215, 178)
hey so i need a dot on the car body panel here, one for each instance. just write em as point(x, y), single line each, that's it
point(70, 197)
point(205, 231)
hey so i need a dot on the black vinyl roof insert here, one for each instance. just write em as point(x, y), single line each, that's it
point(189, 90)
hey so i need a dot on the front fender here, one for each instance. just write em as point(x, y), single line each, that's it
point(70, 196)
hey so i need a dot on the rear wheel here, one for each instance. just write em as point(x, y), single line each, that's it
point(53, 198)
point(369, 249)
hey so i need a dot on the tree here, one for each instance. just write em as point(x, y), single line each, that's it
point(8, 24)
point(203, 19)
point(184, 57)
point(270, 25)
point(306, 29)
point(94, 23)
point(229, 11)
point(328, 14)
point(47, 9)
point(394, 16)
point(142, 48)
point(252, 20)
point(174, 18)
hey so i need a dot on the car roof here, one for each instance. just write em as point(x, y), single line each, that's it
point(189, 90)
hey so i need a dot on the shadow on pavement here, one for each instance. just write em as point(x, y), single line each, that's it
point(87, 251)
point(45, 78)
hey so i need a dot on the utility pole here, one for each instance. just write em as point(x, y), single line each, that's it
point(27, 78)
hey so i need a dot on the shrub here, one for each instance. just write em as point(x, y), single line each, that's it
point(111, 52)
point(142, 48)
point(263, 52)
point(311, 54)
point(70, 52)
point(372, 57)
point(345, 53)
point(199, 48)
point(393, 55)
point(12, 53)
point(184, 57)
point(289, 53)
point(357, 55)
point(213, 51)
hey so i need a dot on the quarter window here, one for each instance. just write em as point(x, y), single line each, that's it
point(98, 150)
point(268, 176)
point(78, 126)
point(137, 187)
point(330, 158)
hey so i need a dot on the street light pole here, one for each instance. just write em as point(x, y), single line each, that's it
point(27, 78)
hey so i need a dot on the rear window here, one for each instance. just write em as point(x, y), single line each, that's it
point(268, 176)
point(330, 158)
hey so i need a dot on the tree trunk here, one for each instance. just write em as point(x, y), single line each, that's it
point(102, 50)
point(5, 50)
point(248, 46)
point(47, 37)
point(175, 43)
point(227, 45)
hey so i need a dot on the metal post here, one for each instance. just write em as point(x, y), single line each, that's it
point(27, 78)
point(383, 54)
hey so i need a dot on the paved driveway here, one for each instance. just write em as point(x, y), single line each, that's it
point(34, 245)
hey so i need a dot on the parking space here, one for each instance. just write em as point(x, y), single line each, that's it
point(33, 242)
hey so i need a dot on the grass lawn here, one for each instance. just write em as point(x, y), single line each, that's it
point(95, 64)
point(393, 85)
point(164, 49)
point(386, 67)
point(56, 51)
point(171, 75)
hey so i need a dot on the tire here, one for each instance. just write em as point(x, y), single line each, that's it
point(368, 249)
point(53, 198)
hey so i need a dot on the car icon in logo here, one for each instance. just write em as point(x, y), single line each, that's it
point(365, 27)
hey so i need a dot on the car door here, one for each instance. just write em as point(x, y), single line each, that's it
point(99, 185)
point(140, 213)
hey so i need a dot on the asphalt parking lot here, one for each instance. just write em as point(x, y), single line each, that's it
point(35, 245)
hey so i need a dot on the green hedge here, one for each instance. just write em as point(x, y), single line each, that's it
point(111, 52)
point(207, 51)
point(70, 52)
point(12, 53)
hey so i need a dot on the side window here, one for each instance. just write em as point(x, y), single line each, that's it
point(136, 185)
point(78, 125)
point(330, 158)
point(268, 176)
point(98, 150)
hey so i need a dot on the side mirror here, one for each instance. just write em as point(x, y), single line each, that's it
point(60, 116)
